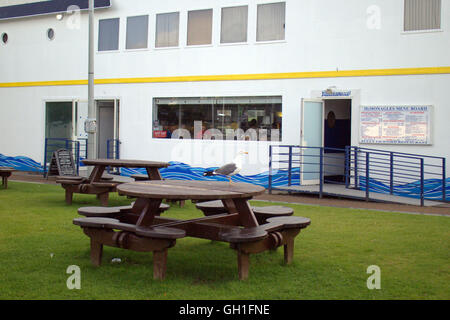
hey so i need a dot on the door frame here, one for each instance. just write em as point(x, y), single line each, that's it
point(302, 140)
point(116, 107)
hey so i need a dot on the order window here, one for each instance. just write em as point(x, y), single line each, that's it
point(218, 118)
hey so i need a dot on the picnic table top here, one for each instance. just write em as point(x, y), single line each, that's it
point(125, 163)
point(7, 169)
point(184, 190)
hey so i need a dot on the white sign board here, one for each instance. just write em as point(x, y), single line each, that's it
point(395, 124)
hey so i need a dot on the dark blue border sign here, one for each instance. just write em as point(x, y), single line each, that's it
point(47, 7)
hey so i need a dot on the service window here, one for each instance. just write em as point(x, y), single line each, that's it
point(218, 118)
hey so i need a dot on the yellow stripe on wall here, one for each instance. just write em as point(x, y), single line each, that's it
point(259, 76)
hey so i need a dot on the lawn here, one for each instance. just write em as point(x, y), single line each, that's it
point(38, 242)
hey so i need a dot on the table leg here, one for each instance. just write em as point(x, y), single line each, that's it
point(159, 264)
point(153, 173)
point(147, 210)
point(96, 174)
point(96, 253)
point(103, 197)
point(243, 264)
point(69, 196)
point(242, 207)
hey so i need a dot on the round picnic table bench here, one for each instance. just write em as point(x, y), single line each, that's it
point(264, 213)
point(210, 208)
point(5, 173)
point(261, 213)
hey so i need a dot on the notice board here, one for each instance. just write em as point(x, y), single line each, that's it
point(62, 164)
point(395, 124)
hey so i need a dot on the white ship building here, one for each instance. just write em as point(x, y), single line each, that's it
point(196, 81)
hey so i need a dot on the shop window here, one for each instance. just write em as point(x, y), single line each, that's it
point(167, 29)
point(271, 21)
point(137, 32)
point(422, 15)
point(234, 24)
point(223, 118)
point(108, 34)
point(199, 30)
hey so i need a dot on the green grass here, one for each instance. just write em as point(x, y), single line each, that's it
point(38, 242)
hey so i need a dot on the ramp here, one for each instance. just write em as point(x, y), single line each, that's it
point(335, 190)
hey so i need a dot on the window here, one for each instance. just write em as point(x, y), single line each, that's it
point(4, 38)
point(137, 32)
point(50, 34)
point(108, 34)
point(422, 15)
point(234, 24)
point(218, 118)
point(167, 29)
point(271, 21)
point(199, 27)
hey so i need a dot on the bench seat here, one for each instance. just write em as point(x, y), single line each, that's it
point(243, 235)
point(114, 224)
point(140, 177)
point(109, 212)
point(264, 213)
point(211, 207)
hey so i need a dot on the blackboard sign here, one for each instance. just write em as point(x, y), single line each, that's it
point(62, 164)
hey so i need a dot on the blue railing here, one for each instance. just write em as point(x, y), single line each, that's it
point(83, 148)
point(113, 152)
point(371, 170)
point(53, 144)
point(113, 149)
point(397, 173)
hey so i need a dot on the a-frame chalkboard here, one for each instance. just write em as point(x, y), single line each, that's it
point(62, 164)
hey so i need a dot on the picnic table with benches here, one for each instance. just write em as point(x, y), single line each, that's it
point(140, 227)
point(99, 184)
point(5, 173)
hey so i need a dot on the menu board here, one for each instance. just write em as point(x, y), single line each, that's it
point(395, 124)
point(62, 164)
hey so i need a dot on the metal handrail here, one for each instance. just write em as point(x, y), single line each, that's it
point(362, 165)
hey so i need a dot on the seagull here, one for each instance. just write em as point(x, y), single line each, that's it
point(229, 169)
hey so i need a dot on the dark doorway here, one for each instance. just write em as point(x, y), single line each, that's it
point(337, 135)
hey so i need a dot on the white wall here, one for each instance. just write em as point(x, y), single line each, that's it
point(320, 35)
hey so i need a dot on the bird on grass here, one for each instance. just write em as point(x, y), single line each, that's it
point(229, 169)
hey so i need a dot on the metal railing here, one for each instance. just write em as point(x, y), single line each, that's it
point(113, 152)
point(79, 149)
point(113, 149)
point(371, 170)
point(397, 173)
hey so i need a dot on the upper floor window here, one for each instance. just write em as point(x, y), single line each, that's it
point(422, 15)
point(167, 29)
point(137, 32)
point(271, 21)
point(108, 34)
point(199, 27)
point(234, 24)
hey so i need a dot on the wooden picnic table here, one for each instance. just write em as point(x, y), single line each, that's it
point(5, 173)
point(142, 229)
point(97, 184)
